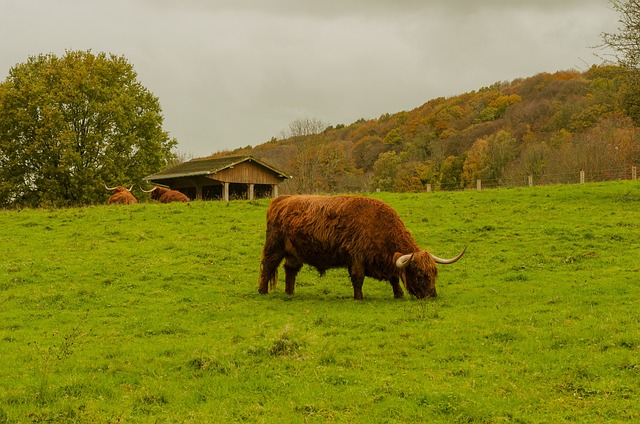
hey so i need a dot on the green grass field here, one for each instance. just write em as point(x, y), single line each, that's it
point(150, 313)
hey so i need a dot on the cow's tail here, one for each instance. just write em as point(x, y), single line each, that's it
point(269, 270)
point(273, 281)
point(272, 256)
point(268, 277)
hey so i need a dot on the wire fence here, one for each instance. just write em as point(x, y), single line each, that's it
point(581, 177)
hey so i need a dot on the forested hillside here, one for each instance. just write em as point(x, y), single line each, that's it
point(549, 127)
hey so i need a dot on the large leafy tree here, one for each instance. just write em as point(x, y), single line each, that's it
point(69, 124)
point(626, 46)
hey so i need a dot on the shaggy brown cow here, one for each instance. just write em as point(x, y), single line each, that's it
point(122, 196)
point(164, 195)
point(364, 235)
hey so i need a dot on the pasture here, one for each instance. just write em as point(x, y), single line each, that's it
point(150, 313)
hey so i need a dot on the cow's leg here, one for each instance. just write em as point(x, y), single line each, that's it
point(356, 282)
point(398, 293)
point(357, 279)
point(291, 269)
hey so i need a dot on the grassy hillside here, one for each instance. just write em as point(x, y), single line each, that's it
point(548, 126)
point(151, 313)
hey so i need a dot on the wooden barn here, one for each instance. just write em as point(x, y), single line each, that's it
point(224, 178)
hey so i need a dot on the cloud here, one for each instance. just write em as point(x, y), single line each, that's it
point(332, 8)
point(231, 73)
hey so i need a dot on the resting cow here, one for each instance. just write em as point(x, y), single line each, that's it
point(364, 235)
point(122, 196)
point(165, 195)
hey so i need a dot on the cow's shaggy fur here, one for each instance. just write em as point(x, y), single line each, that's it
point(164, 195)
point(364, 235)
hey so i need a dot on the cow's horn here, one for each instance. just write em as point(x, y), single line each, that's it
point(110, 188)
point(130, 188)
point(148, 191)
point(404, 260)
point(449, 261)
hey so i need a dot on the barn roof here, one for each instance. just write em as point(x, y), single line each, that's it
point(208, 166)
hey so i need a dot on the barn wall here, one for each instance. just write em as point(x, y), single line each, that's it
point(247, 172)
point(177, 183)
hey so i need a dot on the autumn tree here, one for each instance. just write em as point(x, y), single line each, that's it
point(385, 171)
point(305, 164)
point(607, 150)
point(413, 176)
point(532, 162)
point(498, 106)
point(476, 162)
point(393, 137)
point(335, 164)
point(501, 149)
point(366, 151)
point(69, 124)
point(451, 173)
point(304, 127)
point(306, 169)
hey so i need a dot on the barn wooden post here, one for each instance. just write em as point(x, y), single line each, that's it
point(225, 192)
point(251, 191)
point(198, 192)
point(274, 191)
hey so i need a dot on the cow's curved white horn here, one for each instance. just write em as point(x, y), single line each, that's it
point(404, 260)
point(130, 188)
point(110, 188)
point(148, 191)
point(449, 261)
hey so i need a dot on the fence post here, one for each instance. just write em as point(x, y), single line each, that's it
point(582, 177)
point(633, 173)
point(428, 188)
point(530, 180)
point(479, 185)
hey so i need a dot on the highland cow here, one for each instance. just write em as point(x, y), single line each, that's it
point(122, 196)
point(165, 195)
point(364, 235)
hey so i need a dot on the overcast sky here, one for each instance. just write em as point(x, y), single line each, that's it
point(232, 73)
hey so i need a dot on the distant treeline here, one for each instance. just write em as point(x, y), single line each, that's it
point(547, 127)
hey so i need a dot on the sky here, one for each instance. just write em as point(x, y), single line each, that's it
point(233, 73)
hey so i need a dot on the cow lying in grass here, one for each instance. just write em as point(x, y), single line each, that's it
point(165, 195)
point(122, 196)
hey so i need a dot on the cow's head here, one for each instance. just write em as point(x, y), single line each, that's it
point(419, 272)
point(118, 189)
point(156, 192)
